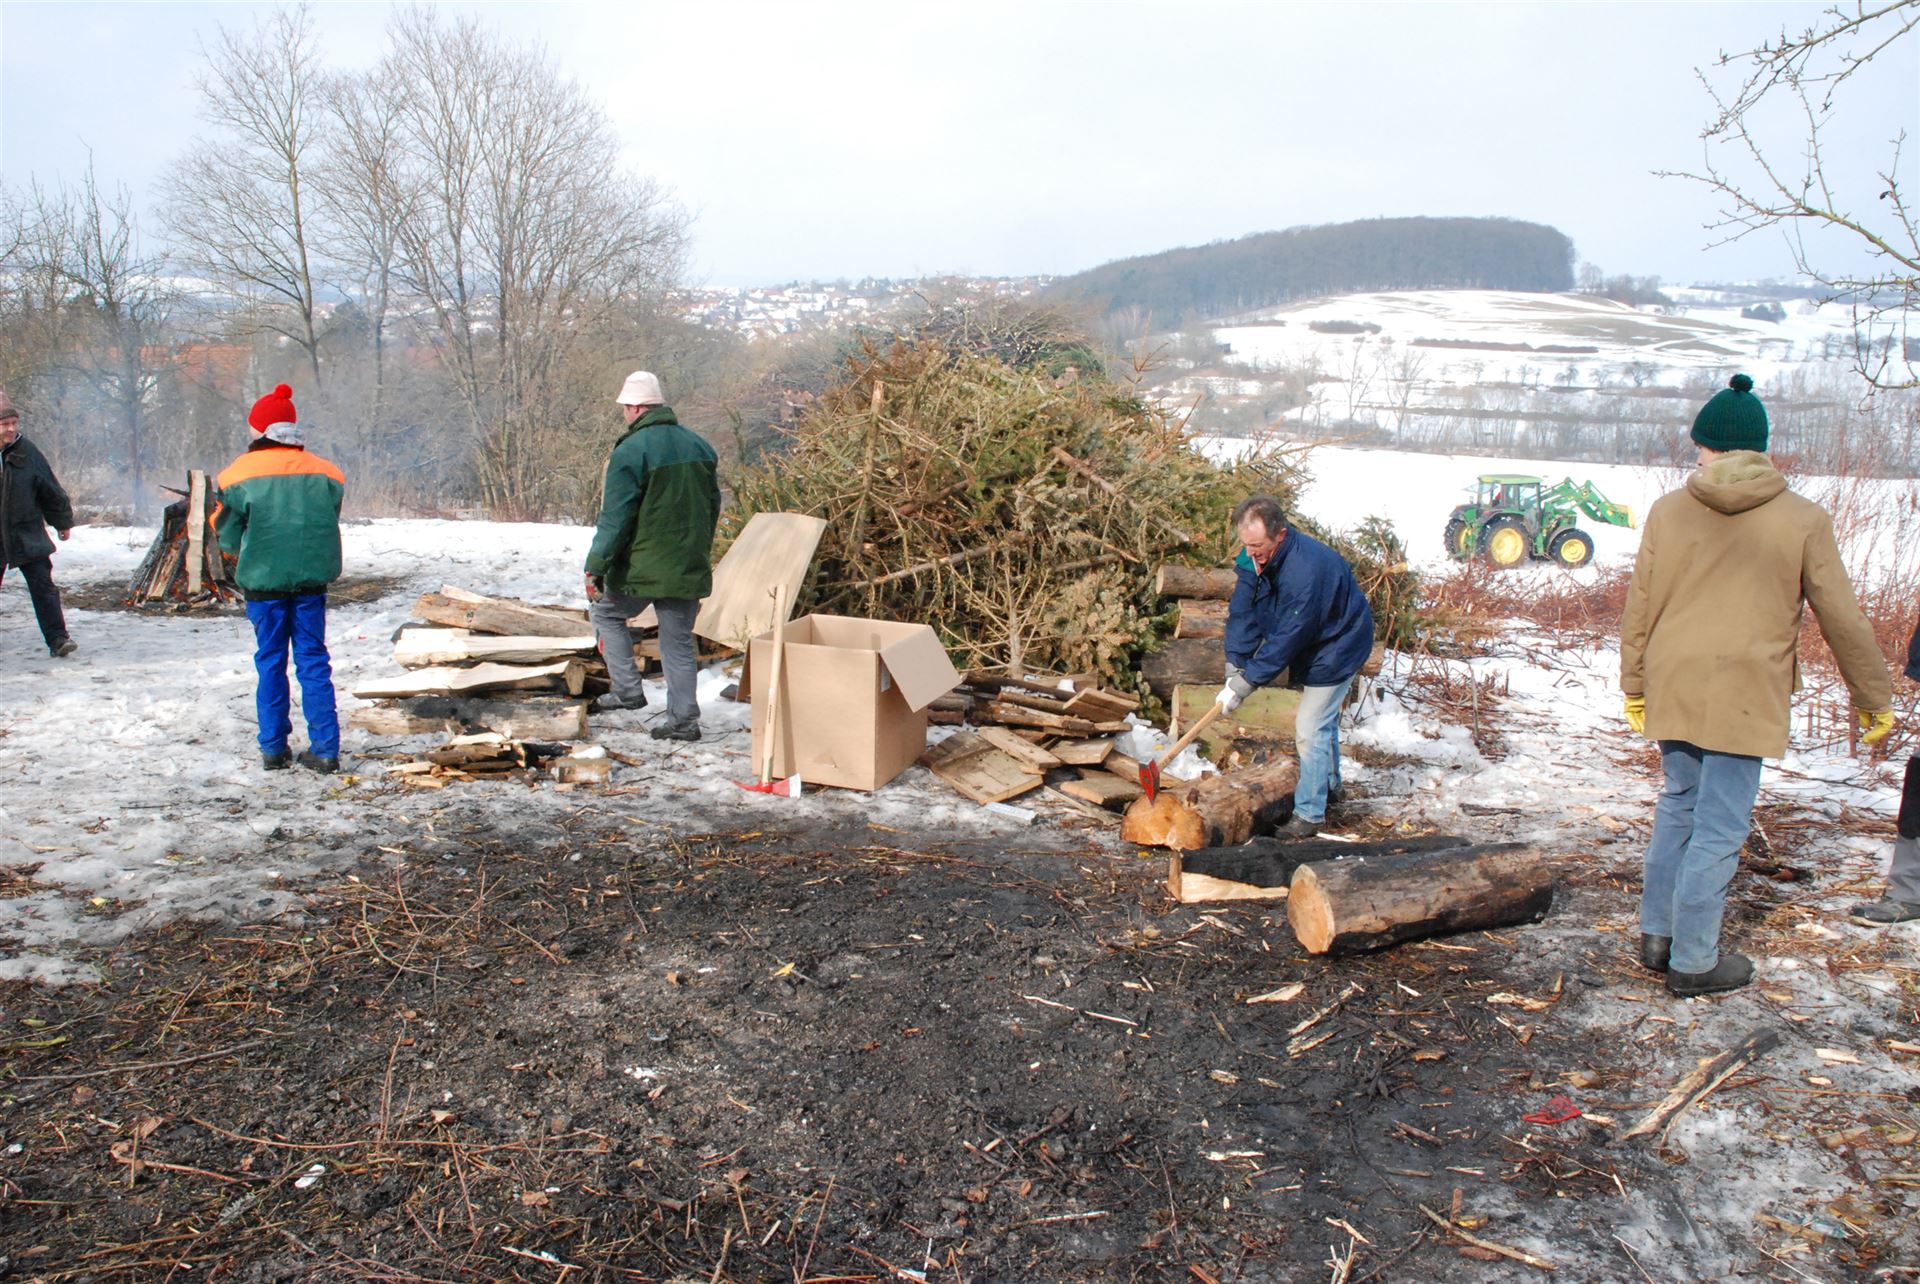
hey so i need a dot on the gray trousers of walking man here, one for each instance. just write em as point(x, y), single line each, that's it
point(610, 613)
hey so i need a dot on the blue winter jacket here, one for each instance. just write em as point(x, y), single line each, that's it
point(1304, 614)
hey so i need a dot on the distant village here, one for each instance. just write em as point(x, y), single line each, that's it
point(799, 307)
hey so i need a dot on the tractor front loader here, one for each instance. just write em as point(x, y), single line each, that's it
point(1509, 519)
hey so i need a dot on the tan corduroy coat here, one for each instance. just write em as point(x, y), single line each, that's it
point(1726, 568)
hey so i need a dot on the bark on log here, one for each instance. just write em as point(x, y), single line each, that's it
point(1350, 906)
point(1212, 582)
point(497, 615)
point(1217, 811)
point(1184, 662)
point(1200, 618)
point(515, 719)
point(1270, 862)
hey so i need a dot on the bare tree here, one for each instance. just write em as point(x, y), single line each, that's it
point(239, 204)
point(522, 234)
point(1769, 182)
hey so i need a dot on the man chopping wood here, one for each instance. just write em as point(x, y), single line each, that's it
point(1296, 610)
point(31, 500)
point(280, 512)
point(1726, 566)
point(654, 547)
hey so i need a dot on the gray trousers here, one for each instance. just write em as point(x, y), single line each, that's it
point(610, 613)
point(1903, 879)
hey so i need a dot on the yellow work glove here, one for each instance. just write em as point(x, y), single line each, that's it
point(1637, 714)
point(1874, 726)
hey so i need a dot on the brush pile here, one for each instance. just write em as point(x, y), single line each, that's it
point(1022, 510)
point(1019, 514)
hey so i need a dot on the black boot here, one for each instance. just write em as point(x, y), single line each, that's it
point(1730, 973)
point(314, 762)
point(276, 761)
point(61, 648)
point(1654, 951)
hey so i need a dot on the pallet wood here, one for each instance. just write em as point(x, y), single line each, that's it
point(1081, 753)
point(979, 770)
point(1215, 811)
point(562, 675)
point(1013, 715)
point(1036, 758)
point(1352, 906)
point(982, 680)
point(773, 550)
point(1201, 618)
point(1100, 704)
point(519, 719)
point(1041, 704)
point(1208, 582)
point(1101, 789)
point(421, 648)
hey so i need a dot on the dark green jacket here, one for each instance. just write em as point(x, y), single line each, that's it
point(280, 511)
point(661, 503)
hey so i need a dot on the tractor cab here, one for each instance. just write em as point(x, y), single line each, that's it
point(1505, 492)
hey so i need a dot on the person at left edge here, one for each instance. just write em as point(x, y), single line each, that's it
point(280, 512)
point(31, 499)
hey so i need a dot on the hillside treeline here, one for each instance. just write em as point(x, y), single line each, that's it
point(442, 254)
point(1270, 268)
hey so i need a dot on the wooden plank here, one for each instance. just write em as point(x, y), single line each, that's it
point(1102, 790)
point(772, 550)
point(458, 608)
point(566, 675)
point(979, 770)
point(196, 531)
point(420, 648)
point(1036, 758)
point(1081, 753)
point(169, 567)
point(982, 680)
point(1044, 704)
point(1191, 888)
point(1100, 705)
point(523, 719)
point(1013, 715)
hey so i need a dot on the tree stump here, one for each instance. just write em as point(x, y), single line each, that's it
point(1367, 903)
point(1216, 811)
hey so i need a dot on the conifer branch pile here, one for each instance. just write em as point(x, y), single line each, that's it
point(1020, 513)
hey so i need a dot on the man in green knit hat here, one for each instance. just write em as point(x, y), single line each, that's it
point(1707, 662)
point(654, 547)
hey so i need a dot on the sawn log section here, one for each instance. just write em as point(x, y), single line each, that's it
point(1216, 811)
point(1366, 903)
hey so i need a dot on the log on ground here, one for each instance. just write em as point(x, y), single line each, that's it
point(1350, 906)
point(1216, 811)
point(1270, 862)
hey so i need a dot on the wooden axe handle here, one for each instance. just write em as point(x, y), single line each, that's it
point(1187, 739)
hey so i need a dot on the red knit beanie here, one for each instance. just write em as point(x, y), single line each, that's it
point(274, 408)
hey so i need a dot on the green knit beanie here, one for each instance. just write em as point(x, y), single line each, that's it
point(1732, 420)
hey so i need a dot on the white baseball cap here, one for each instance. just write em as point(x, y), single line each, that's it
point(641, 389)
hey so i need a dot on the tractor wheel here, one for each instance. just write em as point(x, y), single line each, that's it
point(1572, 548)
point(1459, 539)
point(1505, 543)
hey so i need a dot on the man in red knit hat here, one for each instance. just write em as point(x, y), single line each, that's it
point(280, 512)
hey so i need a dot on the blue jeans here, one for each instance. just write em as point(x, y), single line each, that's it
point(1316, 740)
point(299, 622)
point(1699, 826)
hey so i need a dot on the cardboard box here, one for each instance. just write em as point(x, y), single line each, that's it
point(853, 698)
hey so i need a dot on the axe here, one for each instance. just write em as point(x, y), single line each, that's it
point(1150, 771)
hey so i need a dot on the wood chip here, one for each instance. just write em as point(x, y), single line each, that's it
point(1836, 1056)
point(1285, 994)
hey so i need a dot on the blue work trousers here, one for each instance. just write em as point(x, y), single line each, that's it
point(299, 623)
point(1699, 826)
point(1316, 741)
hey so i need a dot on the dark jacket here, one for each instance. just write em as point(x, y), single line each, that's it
point(30, 501)
point(1304, 614)
point(661, 504)
point(280, 512)
point(1913, 654)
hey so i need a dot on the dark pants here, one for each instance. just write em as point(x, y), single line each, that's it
point(38, 572)
point(299, 623)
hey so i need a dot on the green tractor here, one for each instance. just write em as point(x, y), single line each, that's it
point(1510, 519)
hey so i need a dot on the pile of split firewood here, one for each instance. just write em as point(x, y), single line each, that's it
point(184, 565)
point(508, 682)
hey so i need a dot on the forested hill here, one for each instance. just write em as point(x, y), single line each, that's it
point(1269, 268)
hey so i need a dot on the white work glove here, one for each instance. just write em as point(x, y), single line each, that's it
point(1236, 690)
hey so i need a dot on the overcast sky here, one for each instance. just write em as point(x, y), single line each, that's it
point(821, 140)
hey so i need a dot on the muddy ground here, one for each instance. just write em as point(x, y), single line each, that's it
point(592, 1050)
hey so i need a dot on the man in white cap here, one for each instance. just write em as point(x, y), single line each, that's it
point(654, 547)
